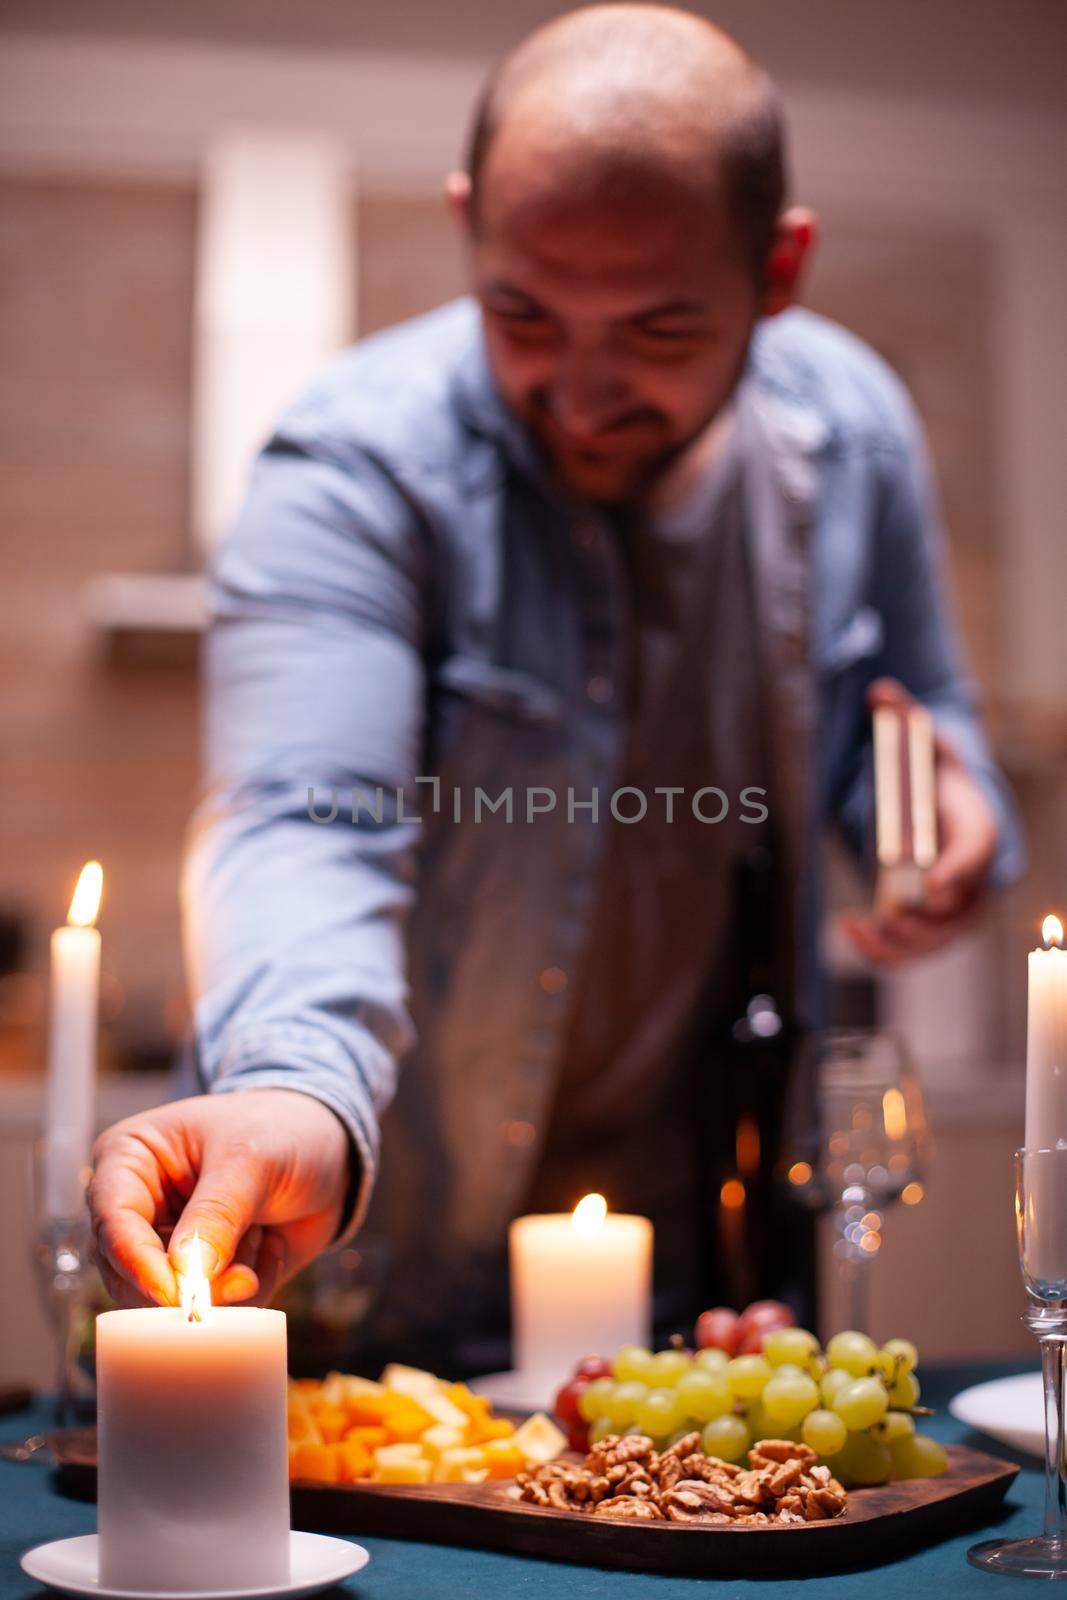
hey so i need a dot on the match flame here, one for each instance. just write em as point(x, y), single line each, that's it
point(588, 1215)
point(86, 901)
point(1052, 930)
point(194, 1286)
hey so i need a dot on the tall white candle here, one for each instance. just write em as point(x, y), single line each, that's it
point(71, 1088)
point(1046, 1042)
point(581, 1284)
point(193, 1491)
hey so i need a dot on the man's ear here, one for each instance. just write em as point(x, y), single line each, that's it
point(795, 238)
point(458, 197)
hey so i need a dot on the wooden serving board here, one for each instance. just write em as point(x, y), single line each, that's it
point(877, 1524)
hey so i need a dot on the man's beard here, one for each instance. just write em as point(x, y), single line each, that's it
point(636, 479)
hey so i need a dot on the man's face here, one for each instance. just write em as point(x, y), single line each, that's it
point(616, 330)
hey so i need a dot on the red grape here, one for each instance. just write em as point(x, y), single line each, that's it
point(578, 1438)
point(593, 1367)
point(565, 1404)
point(765, 1315)
point(751, 1343)
point(718, 1329)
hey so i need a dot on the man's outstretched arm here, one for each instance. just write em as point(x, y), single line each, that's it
point(293, 927)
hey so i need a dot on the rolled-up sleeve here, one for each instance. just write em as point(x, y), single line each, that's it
point(314, 688)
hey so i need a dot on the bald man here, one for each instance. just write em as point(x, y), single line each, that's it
point(542, 654)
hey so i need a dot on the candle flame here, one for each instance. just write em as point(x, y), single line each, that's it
point(588, 1215)
point(86, 902)
point(194, 1286)
point(1052, 930)
point(894, 1114)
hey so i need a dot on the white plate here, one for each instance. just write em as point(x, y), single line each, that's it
point(1009, 1409)
point(315, 1562)
point(522, 1391)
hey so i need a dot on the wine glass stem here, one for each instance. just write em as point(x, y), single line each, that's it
point(63, 1339)
point(859, 1295)
point(1053, 1368)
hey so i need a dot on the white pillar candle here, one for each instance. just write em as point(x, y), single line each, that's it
point(193, 1490)
point(71, 1088)
point(581, 1284)
point(1046, 1042)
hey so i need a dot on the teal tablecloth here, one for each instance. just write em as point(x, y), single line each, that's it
point(31, 1512)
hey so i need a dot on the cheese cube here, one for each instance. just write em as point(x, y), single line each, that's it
point(439, 1438)
point(464, 1464)
point(539, 1439)
point(411, 1381)
point(417, 1470)
point(339, 1388)
point(387, 1454)
point(442, 1410)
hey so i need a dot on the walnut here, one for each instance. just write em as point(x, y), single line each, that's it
point(710, 1468)
point(781, 1450)
point(626, 1477)
point(782, 1479)
point(749, 1487)
point(615, 1452)
point(830, 1500)
point(708, 1496)
point(627, 1505)
point(686, 1446)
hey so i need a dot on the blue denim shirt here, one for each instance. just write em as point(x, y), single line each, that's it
point(406, 595)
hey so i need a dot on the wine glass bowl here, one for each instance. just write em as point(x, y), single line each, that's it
point(855, 1137)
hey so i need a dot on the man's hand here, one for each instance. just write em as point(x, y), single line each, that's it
point(260, 1175)
point(956, 883)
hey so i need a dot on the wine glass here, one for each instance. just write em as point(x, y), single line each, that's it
point(855, 1136)
point(66, 1280)
point(1041, 1219)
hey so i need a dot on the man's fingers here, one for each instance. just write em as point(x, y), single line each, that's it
point(124, 1200)
point(240, 1280)
point(888, 692)
point(225, 1203)
point(236, 1284)
point(272, 1265)
point(870, 942)
point(126, 1295)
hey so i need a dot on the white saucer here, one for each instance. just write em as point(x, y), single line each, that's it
point(1009, 1409)
point(522, 1391)
point(315, 1562)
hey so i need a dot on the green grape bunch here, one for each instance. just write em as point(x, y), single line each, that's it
point(854, 1403)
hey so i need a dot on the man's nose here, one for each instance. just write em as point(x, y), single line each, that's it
point(587, 393)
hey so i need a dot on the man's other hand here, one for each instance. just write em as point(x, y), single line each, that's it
point(957, 882)
point(261, 1175)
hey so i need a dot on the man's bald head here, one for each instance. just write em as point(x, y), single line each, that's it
point(618, 103)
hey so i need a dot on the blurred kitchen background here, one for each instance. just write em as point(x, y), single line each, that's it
point(156, 165)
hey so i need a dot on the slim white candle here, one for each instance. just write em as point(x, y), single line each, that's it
point(581, 1284)
point(1046, 1042)
point(193, 1491)
point(71, 1087)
